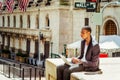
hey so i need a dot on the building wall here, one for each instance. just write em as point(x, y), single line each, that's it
point(53, 15)
point(23, 44)
point(111, 14)
point(65, 28)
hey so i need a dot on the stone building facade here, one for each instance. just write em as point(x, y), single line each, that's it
point(56, 21)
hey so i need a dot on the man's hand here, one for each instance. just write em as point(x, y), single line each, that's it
point(76, 60)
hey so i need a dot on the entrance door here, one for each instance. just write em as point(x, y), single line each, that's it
point(8, 42)
point(28, 46)
point(36, 49)
point(46, 48)
point(3, 41)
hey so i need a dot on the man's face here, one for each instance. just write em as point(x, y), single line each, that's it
point(84, 33)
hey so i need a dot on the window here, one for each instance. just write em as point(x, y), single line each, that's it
point(37, 21)
point(110, 28)
point(47, 21)
point(21, 21)
point(14, 21)
point(86, 21)
point(8, 17)
point(28, 21)
point(3, 21)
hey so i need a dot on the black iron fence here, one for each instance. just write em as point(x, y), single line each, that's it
point(19, 71)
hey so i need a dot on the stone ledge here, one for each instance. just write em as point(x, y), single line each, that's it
point(109, 66)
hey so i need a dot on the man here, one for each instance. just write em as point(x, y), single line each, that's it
point(88, 59)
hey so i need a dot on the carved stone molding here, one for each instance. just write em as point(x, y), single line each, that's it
point(46, 34)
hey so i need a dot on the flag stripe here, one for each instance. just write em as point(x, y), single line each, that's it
point(23, 4)
point(0, 5)
point(9, 4)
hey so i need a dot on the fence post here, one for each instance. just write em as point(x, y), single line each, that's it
point(39, 75)
point(35, 73)
point(20, 70)
point(9, 71)
point(13, 70)
point(30, 72)
point(3, 68)
point(23, 74)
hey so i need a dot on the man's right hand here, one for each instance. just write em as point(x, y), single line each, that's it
point(75, 60)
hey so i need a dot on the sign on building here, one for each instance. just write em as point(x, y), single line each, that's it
point(90, 6)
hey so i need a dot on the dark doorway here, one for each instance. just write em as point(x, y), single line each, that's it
point(8, 42)
point(3, 41)
point(46, 48)
point(28, 46)
point(36, 47)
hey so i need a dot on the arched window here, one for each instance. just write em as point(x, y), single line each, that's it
point(28, 21)
point(110, 28)
point(14, 21)
point(3, 21)
point(47, 21)
point(8, 18)
point(21, 21)
point(37, 21)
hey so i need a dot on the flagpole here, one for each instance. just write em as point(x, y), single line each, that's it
point(38, 40)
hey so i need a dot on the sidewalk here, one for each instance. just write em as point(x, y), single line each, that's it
point(2, 77)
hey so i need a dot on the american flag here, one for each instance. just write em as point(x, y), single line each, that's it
point(23, 4)
point(10, 4)
point(0, 5)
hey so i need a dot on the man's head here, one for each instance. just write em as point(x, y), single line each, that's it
point(86, 32)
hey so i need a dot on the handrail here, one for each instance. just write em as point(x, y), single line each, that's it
point(21, 68)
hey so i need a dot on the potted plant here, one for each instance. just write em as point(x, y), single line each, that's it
point(18, 56)
point(5, 53)
point(21, 57)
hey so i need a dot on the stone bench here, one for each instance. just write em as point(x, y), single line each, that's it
point(109, 66)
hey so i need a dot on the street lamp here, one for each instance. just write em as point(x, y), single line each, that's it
point(98, 26)
point(116, 3)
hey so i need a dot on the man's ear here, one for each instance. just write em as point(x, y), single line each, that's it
point(89, 33)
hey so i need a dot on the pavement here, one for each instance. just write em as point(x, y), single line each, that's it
point(2, 77)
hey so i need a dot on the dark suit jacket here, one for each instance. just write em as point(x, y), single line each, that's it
point(92, 55)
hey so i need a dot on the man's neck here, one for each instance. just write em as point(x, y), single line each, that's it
point(87, 40)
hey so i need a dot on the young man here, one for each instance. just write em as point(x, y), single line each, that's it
point(88, 59)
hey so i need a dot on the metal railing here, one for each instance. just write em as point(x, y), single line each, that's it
point(19, 71)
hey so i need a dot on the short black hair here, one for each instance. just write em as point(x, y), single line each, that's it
point(87, 28)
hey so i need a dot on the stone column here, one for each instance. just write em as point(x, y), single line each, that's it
point(20, 42)
point(13, 42)
point(5, 41)
point(32, 47)
point(23, 44)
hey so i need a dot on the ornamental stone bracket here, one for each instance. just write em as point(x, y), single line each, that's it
point(45, 34)
point(27, 32)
